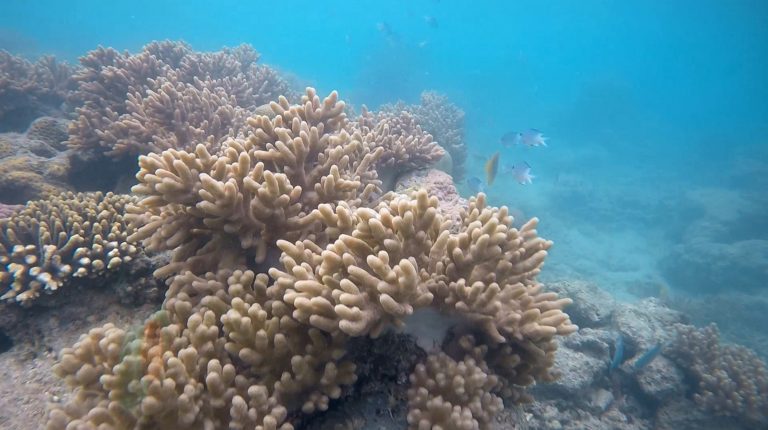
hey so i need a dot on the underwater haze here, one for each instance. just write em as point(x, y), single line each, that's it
point(635, 131)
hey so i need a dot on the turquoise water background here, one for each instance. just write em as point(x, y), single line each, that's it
point(656, 111)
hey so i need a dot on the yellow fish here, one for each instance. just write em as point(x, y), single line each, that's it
point(491, 167)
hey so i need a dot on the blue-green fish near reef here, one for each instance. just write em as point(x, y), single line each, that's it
point(475, 185)
point(647, 357)
point(618, 353)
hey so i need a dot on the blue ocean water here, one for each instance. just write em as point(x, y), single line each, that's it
point(656, 113)
point(654, 178)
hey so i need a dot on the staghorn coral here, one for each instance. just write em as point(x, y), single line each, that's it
point(452, 395)
point(29, 90)
point(165, 96)
point(730, 380)
point(45, 244)
point(229, 209)
point(406, 147)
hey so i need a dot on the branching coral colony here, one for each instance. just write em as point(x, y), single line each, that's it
point(245, 341)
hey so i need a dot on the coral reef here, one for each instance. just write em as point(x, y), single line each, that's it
point(30, 90)
point(222, 210)
point(730, 380)
point(452, 396)
point(445, 122)
point(8, 210)
point(593, 393)
point(405, 146)
point(235, 347)
point(438, 184)
point(166, 96)
point(34, 165)
point(49, 242)
point(729, 235)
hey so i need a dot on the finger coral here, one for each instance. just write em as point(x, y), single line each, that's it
point(49, 242)
point(229, 209)
point(247, 341)
point(452, 395)
point(730, 380)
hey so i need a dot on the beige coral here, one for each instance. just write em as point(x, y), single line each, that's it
point(49, 242)
point(406, 147)
point(229, 360)
point(230, 209)
point(29, 90)
point(236, 348)
point(166, 96)
point(450, 395)
point(441, 118)
point(371, 277)
point(730, 380)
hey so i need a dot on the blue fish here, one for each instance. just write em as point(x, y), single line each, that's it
point(530, 138)
point(647, 357)
point(475, 185)
point(618, 353)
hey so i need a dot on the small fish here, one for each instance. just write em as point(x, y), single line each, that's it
point(511, 138)
point(618, 353)
point(431, 21)
point(491, 168)
point(531, 138)
point(521, 173)
point(475, 185)
point(423, 44)
point(647, 357)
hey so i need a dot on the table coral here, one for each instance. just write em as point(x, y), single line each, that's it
point(49, 242)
